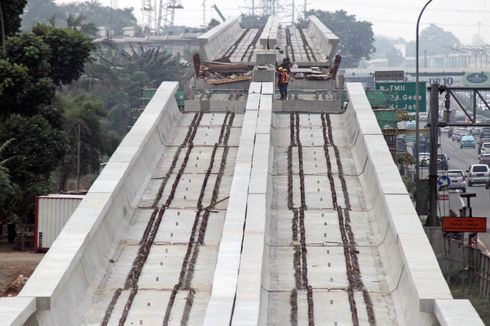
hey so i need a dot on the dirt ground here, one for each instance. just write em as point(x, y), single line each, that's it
point(12, 265)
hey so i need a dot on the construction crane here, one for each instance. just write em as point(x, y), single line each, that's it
point(219, 12)
point(166, 16)
point(148, 10)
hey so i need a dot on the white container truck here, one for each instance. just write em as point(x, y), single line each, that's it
point(52, 213)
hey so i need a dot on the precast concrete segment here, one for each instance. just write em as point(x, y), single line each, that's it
point(456, 312)
point(322, 39)
point(223, 293)
point(250, 308)
point(75, 263)
point(153, 225)
point(216, 41)
point(317, 208)
point(412, 272)
point(298, 47)
point(166, 260)
point(268, 37)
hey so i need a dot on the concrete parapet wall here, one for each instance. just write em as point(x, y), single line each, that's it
point(216, 41)
point(412, 272)
point(73, 267)
point(16, 311)
point(323, 39)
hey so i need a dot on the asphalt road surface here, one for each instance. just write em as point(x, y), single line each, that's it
point(462, 159)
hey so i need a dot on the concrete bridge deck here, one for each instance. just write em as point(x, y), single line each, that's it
point(247, 218)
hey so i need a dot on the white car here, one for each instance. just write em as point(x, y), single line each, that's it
point(458, 180)
point(424, 159)
point(478, 173)
point(485, 148)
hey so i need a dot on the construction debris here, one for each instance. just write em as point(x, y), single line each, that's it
point(228, 80)
point(14, 287)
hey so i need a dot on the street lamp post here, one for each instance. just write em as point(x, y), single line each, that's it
point(417, 101)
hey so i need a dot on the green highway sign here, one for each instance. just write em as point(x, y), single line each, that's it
point(402, 95)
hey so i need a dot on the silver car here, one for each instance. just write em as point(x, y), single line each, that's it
point(478, 173)
point(458, 180)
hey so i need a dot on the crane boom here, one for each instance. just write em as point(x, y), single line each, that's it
point(219, 12)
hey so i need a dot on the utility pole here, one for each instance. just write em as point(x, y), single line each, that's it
point(292, 13)
point(204, 13)
point(417, 103)
point(78, 155)
point(432, 218)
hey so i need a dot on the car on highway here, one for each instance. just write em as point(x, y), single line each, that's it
point(484, 138)
point(424, 159)
point(484, 159)
point(485, 148)
point(478, 173)
point(468, 141)
point(444, 161)
point(458, 180)
point(458, 134)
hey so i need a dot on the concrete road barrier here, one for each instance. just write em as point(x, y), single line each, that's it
point(418, 287)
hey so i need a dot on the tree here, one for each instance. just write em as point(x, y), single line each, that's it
point(5, 183)
point(36, 150)
point(86, 114)
point(38, 11)
point(395, 57)
point(356, 37)
point(435, 40)
point(30, 51)
point(70, 49)
point(96, 15)
point(10, 12)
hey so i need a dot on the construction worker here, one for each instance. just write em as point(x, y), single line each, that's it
point(286, 64)
point(283, 83)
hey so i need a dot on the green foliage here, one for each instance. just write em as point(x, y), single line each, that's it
point(6, 187)
point(29, 50)
point(38, 11)
point(36, 150)
point(19, 93)
point(117, 77)
point(84, 114)
point(14, 79)
point(434, 40)
point(70, 49)
point(356, 37)
point(12, 9)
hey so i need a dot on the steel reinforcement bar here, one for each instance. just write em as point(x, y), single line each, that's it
point(347, 235)
point(200, 226)
point(153, 225)
point(306, 46)
point(300, 264)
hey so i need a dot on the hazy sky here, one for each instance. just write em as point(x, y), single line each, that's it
point(393, 18)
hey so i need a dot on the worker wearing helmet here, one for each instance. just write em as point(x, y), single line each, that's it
point(283, 82)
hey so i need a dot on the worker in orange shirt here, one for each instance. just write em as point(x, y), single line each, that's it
point(283, 83)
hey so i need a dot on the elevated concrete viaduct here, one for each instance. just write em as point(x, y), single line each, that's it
point(254, 215)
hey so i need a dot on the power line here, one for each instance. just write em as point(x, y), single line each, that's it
point(391, 7)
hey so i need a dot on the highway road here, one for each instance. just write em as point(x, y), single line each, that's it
point(462, 159)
